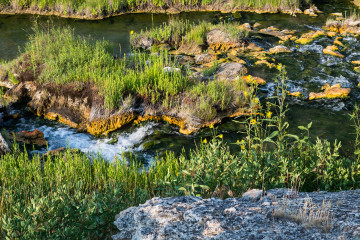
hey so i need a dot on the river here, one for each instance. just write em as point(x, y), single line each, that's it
point(308, 69)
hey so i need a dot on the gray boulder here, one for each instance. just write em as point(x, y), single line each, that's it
point(230, 71)
point(304, 216)
point(4, 147)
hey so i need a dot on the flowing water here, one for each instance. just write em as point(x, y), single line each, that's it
point(308, 69)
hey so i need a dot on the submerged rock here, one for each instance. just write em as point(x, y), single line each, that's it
point(4, 147)
point(265, 62)
point(335, 91)
point(274, 214)
point(357, 69)
point(272, 31)
point(35, 137)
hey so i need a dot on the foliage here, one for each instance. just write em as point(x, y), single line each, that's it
point(95, 8)
point(71, 196)
point(58, 57)
point(67, 59)
point(179, 31)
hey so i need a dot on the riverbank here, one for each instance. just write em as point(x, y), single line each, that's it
point(67, 194)
point(83, 86)
point(100, 10)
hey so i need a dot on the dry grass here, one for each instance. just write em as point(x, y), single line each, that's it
point(307, 213)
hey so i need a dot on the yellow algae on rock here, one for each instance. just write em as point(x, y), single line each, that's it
point(332, 50)
point(335, 91)
point(261, 62)
point(57, 117)
point(338, 42)
point(331, 34)
point(279, 49)
point(307, 38)
point(109, 124)
point(295, 94)
point(254, 80)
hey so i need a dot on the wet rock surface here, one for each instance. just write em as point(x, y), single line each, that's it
point(35, 137)
point(261, 215)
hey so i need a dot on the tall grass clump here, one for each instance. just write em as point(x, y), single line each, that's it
point(70, 196)
point(58, 56)
point(178, 32)
point(59, 59)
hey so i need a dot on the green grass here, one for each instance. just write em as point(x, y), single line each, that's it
point(95, 8)
point(178, 31)
point(61, 58)
point(72, 196)
point(67, 59)
point(75, 197)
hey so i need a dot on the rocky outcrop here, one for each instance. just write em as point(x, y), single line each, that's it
point(220, 40)
point(348, 26)
point(4, 147)
point(274, 214)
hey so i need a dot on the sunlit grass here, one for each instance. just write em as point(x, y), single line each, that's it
point(105, 7)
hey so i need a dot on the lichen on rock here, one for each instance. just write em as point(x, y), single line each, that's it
point(272, 214)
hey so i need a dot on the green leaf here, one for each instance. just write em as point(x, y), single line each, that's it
point(309, 125)
point(273, 134)
point(293, 136)
point(357, 152)
point(302, 128)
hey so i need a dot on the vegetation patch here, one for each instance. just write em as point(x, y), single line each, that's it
point(71, 195)
point(90, 9)
point(61, 66)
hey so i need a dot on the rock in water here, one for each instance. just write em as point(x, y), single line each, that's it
point(267, 215)
point(35, 137)
point(279, 49)
point(335, 91)
point(4, 147)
